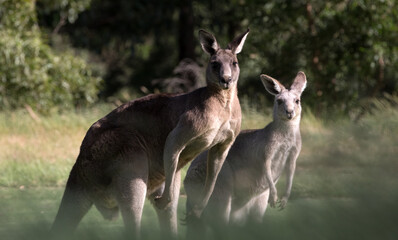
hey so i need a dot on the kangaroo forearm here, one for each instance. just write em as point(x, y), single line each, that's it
point(210, 182)
point(289, 184)
point(170, 167)
point(289, 177)
point(288, 189)
point(271, 184)
point(268, 175)
point(209, 187)
point(215, 161)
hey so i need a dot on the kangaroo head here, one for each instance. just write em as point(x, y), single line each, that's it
point(287, 104)
point(223, 69)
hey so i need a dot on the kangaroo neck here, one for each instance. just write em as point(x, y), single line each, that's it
point(224, 96)
point(286, 126)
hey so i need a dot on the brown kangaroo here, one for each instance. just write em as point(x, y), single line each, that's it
point(246, 183)
point(138, 149)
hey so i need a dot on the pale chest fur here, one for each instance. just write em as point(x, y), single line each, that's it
point(219, 132)
point(227, 125)
point(226, 131)
point(285, 145)
point(223, 120)
point(221, 128)
point(252, 180)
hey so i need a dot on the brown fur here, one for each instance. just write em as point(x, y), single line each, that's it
point(138, 149)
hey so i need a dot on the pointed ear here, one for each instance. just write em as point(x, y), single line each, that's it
point(273, 86)
point(208, 42)
point(299, 83)
point(237, 44)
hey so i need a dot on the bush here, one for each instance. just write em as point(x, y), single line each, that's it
point(31, 73)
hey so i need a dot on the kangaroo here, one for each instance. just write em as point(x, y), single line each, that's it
point(246, 182)
point(138, 149)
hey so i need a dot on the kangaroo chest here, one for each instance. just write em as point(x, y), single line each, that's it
point(278, 161)
point(252, 181)
point(224, 132)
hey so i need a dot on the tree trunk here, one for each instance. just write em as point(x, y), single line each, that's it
point(186, 28)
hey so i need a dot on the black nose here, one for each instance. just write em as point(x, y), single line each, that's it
point(289, 114)
point(226, 80)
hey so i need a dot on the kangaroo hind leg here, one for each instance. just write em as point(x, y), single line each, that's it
point(130, 186)
point(258, 208)
point(168, 221)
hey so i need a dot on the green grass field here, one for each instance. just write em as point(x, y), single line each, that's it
point(345, 187)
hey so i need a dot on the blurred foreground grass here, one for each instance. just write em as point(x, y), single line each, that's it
point(345, 187)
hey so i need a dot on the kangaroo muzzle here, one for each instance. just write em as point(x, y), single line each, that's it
point(226, 81)
point(290, 114)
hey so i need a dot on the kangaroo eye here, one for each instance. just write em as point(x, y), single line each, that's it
point(279, 101)
point(235, 63)
point(297, 101)
point(215, 64)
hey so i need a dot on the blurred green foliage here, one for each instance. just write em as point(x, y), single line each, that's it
point(67, 9)
point(348, 49)
point(31, 72)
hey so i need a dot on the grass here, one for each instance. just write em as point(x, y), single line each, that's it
point(345, 185)
point(40, 153)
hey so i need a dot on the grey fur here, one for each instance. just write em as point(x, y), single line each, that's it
point(138, 149)
point(246, 183)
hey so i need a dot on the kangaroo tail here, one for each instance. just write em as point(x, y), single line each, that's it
point(74, 205)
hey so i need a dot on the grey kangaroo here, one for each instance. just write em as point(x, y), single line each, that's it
point(138, 149)
point(246, 183)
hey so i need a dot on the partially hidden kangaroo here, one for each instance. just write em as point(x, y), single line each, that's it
point(246, 182)
point(138, 149)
